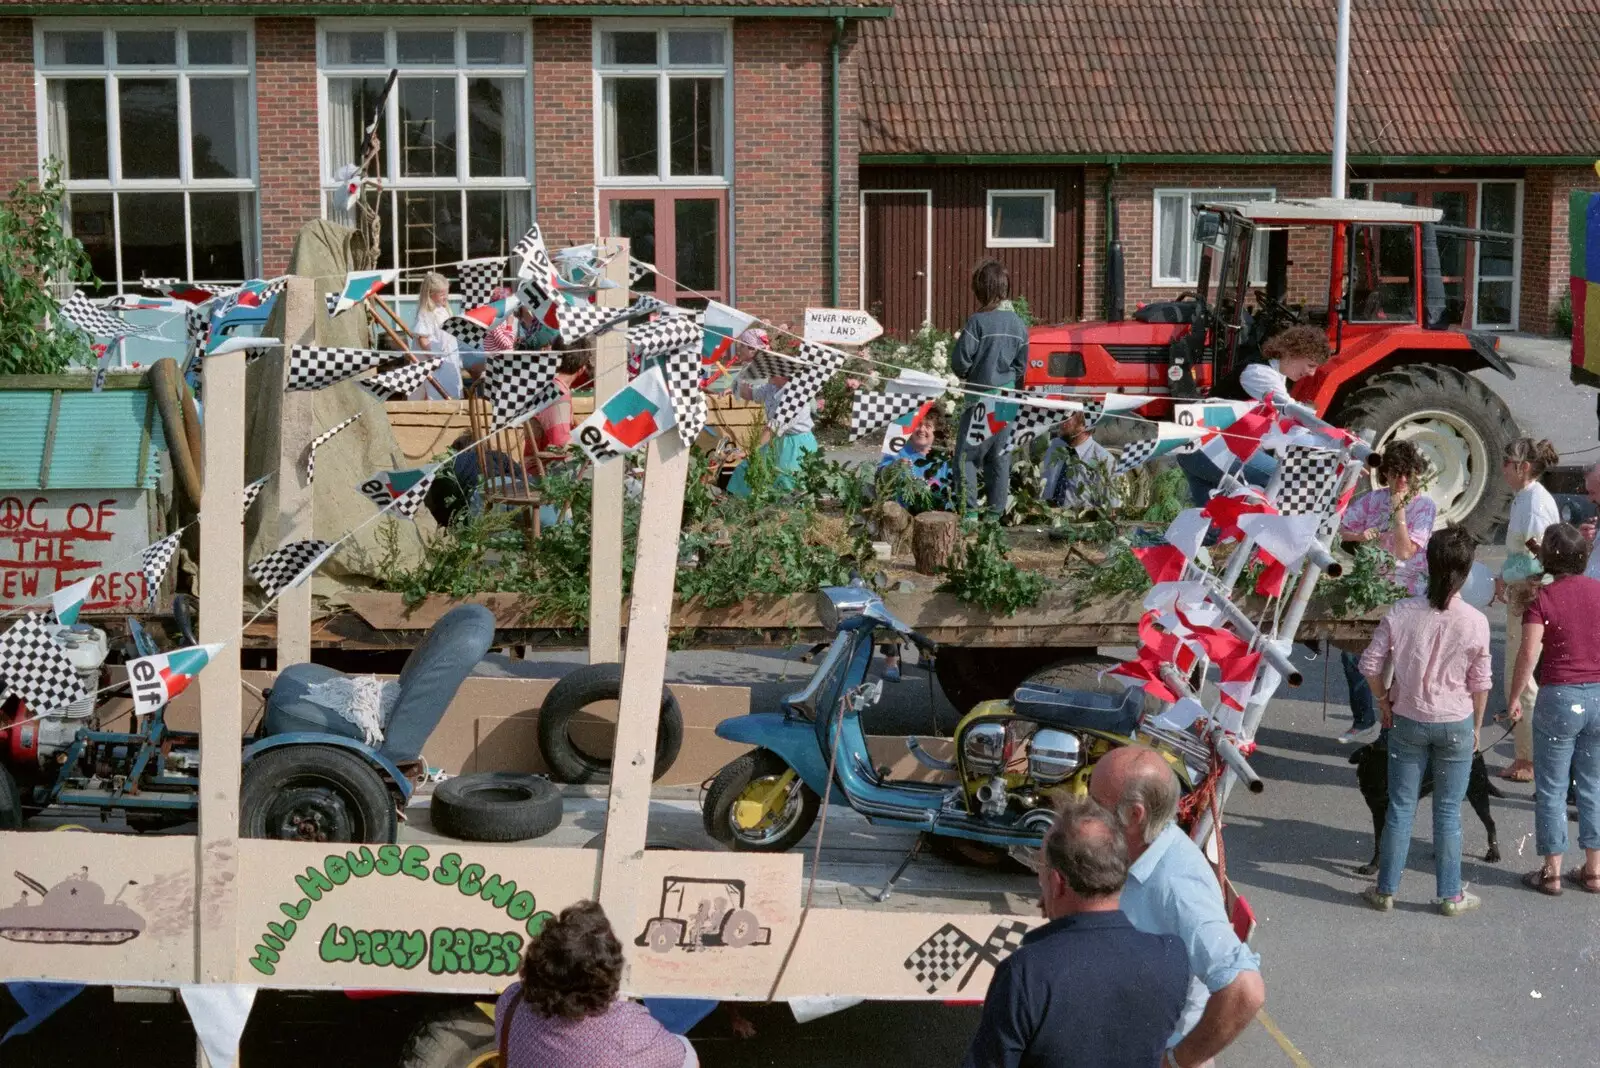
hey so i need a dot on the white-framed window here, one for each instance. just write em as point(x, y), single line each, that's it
point(1021, 218)
point(1175, 259)
point(456, 131)
point(153, 123)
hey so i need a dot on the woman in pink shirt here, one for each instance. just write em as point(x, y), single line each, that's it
point(565, 1013)
point(1559, 623)
point(1439, 646)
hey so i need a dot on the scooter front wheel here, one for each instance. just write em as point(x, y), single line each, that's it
point(758, 804)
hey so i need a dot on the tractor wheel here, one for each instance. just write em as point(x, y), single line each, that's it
point(1460, 426)
point(460, 1037)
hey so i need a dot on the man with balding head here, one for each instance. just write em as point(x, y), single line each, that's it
point(1172, 889)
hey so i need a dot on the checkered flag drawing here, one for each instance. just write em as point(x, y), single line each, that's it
point(1031, 422)
point(33, 667)
point(92, 319)
point(321, 440)
point(468, 332)
point(518, 383)
point(313, 367)
point(682, 368)
point(478, 279)
point(1005, 940)
point(664, 335)
point(156, 559)
point(401, 380)
point(937, 960)
point(251, 492)
point(819, 363)
point(1310, 479)
point(287, 565)
point(873, 408)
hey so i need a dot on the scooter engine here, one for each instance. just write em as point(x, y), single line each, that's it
point(34, 738)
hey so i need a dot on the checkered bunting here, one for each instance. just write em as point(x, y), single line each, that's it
point(252, 491)
point(197, 323)
point(519, 383)
point(321, 440)
point(1135, 454)
point(579, 318)
point(662, 336)
point(91, 318)
point(1310, 479)
point(682, 368)
point(468, 332)
point(766, 363)
point(637, 269)
point(479, 278)
point(376, 490)
point(1032, 422)
point(155, 560)
point(401, 380)
point(331, 300)
point(872, 409)
point(283, 567)
point(535, 265)
point(33, 667)
point(313, 367)
point(645, 304)
point(820, 362)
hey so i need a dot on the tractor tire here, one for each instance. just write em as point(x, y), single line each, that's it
point(574, 692)
point(730, 782)
point(318, 793)
point(461, 1037)
point(496, 806)
point(972, 674)
point(1460, 425)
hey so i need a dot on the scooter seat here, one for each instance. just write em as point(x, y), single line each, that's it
point(1107, 712)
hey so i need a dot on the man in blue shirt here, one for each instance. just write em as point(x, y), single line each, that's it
point(1173, 890)
point(1086, 989)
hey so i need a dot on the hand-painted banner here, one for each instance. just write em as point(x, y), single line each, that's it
point(157, 679)
point(637, 413)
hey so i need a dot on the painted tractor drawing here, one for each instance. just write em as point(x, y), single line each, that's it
point(702, 914)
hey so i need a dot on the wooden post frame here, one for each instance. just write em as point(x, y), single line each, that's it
point(221, 703)
point(297, 426)
point(605, 539)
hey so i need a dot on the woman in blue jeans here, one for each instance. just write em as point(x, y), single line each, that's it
point(1439, 648)
point(1560, 624)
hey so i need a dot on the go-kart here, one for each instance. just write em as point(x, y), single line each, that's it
point(309, 773)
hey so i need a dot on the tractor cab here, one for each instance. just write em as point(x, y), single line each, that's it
point(1367, 273)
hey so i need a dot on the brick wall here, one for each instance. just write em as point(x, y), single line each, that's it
point(782, 181)
point(563, 141)
point(19, 150)
point(286, 125)
point(1546, 252)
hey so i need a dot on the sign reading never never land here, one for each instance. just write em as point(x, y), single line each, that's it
point(836, 326)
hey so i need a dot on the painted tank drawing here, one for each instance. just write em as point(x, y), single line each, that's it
point(73, 912)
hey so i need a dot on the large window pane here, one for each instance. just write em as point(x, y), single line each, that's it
point(219, 121)
point(351, 104)
point(628, 48)
point(494, 48)
point(77, 127)
point(1494, 303)
point(696, 126)
point(223, 229)
point(430, 228)
point(496, 128)
point(1500, 207)
point(1019, 217)
point(630, 128)
point(152, 236)
point(146, 48)
point(75, 48)
point(90, 220)
point(695, 48)
point(352, 48)
point(1496, 259)
point(426, 46)
point(217, 48)
point(427, 127)
point(149, 138)
point(636, 221)
point(697, 223)
point(495, 220)
point(1172, 238)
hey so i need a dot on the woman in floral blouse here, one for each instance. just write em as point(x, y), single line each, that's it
point(1399, 518)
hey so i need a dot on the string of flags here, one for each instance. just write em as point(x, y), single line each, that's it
point(321, 440)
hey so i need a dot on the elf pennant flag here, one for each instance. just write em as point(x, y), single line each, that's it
point(68, 602)
point(158, 679)
point(406, 490)
point(722, 324)
point(1169, 438)
point(359, 285)
point(901, 428)
point(637, 413)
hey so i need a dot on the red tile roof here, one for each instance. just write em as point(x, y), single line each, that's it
point(347, 8)
point(1427, 77)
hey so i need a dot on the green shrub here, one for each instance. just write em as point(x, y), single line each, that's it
point(37, 258)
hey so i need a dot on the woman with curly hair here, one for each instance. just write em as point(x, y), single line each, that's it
point(565, 1011)
point(1399, 518)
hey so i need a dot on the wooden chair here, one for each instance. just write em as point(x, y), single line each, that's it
point(504, 459)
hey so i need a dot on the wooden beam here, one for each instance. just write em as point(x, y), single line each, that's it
point(605, 538)
point(297, 427)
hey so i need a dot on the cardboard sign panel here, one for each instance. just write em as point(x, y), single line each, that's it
point(838, 326)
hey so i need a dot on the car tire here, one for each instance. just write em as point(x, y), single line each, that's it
point(461, 1037)
point(496, 806)
point(574, 692)
point(315, 776)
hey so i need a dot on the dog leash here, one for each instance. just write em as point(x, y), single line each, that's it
point(1497, 741)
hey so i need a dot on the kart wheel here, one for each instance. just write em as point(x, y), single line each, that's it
point(741, 928)
point(783, 821)
point(496, 806)
point(314, 793)
point(564, 707)
point(462, 1037)
point(662, 935)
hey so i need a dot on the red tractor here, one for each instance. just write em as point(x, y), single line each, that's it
point(1398, 369)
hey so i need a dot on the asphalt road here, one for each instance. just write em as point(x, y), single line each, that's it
point(1543, 399)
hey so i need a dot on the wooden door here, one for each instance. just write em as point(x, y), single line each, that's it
point(895, 261)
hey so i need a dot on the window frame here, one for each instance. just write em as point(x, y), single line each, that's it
point(663, 73)
point(181, 71)
point(1049, 239)
point(1191, 261)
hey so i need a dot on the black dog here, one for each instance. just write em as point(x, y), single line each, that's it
point(1372, 776)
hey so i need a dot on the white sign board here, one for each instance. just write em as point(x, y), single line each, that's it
point(836, 326)
point(50, 539)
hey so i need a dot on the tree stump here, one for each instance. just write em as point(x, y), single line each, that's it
point(933, 538)
point(894, 524)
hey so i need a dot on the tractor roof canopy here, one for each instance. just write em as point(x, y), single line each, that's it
point(1326, 210)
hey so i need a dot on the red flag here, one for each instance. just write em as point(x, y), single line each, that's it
point(1237, 680)
point(1224, 512)
point(1147, 675)
point(1163, 563)
point(1222, 646)
point(1243, 438)
point(1273, 574)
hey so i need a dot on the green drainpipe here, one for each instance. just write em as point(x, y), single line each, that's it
point(833, 245)
point(1105, 246)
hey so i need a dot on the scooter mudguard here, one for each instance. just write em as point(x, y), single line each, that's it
point(792, 739)
point(380, 763)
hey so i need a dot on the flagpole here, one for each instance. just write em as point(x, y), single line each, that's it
point(1341, 98)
